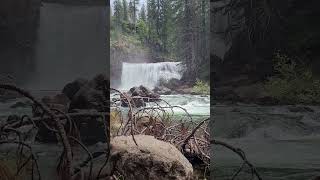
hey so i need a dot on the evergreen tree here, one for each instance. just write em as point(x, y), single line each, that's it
point(117, 13)
point(130, 11)
point(143, 14)
point(151, 16)
point(125, 10)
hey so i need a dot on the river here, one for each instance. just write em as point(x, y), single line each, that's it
point(282, 142)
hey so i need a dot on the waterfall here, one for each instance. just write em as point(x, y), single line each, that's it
point(148, 74)
point(71, 44)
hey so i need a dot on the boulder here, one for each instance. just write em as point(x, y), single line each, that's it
point(72, 88)
point(143, 91)
point(86, 94)
point(138, 96)
point(152, 159)
point(89, 98)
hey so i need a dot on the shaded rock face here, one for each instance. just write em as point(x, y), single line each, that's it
point(151, 159)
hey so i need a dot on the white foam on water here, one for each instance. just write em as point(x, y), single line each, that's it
point(148, 74)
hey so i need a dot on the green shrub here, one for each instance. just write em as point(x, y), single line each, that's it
point(201, 87)
point(293, 83)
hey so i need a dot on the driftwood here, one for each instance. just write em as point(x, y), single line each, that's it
point(179, 134)
point(190, 137)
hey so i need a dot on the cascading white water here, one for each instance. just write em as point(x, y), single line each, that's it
point(71, 44)
point(148, 74)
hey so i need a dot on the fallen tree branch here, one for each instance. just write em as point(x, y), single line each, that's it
point(241, 154)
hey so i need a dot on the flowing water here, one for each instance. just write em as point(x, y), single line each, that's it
point(281, 142)
point(71, 43)
point(148, 74)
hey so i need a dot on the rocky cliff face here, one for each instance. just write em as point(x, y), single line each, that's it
point(18, 30)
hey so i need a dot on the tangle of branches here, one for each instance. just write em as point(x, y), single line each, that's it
point(157, 120)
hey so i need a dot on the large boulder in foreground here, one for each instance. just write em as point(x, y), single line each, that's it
point(152, 159)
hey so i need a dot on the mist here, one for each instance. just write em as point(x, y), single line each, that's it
point(71, 43)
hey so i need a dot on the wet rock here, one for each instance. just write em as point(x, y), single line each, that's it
point(89, 98)
point(138, 96)
point(88, 94)
point(144, 92)
point(151, 159)
point(72, 88)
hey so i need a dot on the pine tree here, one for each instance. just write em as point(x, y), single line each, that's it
point(125, 10)
point(117, 13)
point(130, 11)
point(143, 13)
point(151, 16)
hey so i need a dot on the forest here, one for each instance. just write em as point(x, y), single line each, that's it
point(268, 45)
point(265, 79)
point(261, 57)
point(175, 30)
